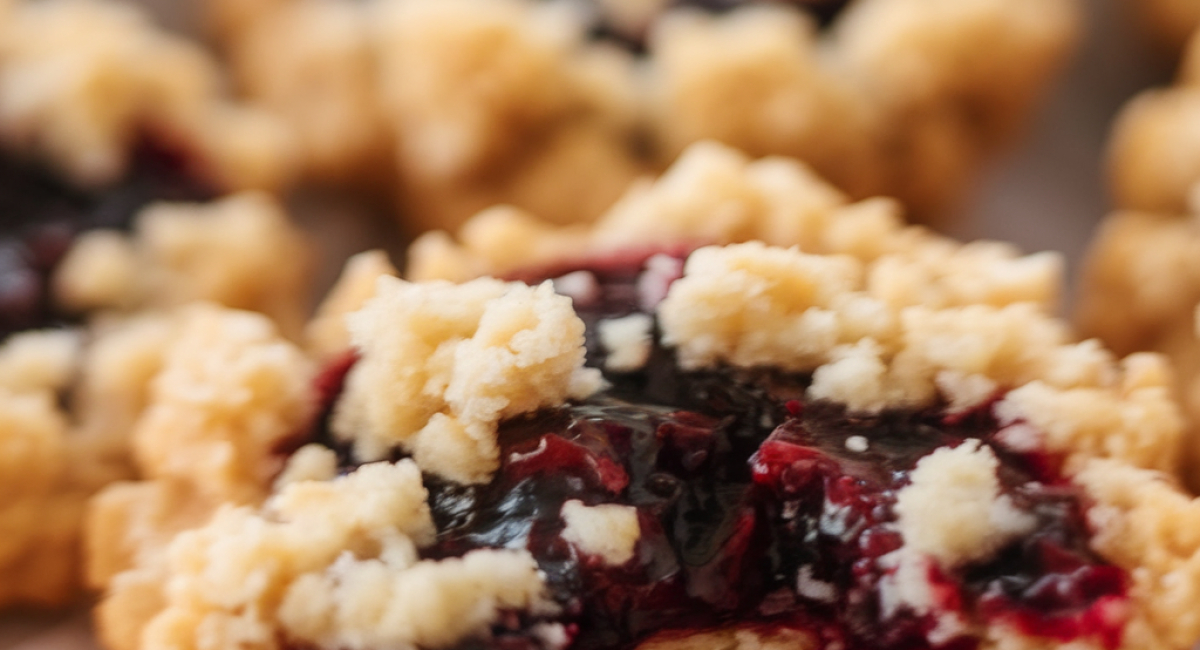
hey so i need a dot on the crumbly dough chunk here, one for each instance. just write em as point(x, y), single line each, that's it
point(229, 393)
point(52, 460)
point(36, 520)
point(1168, 23)
point(481, 102)
point(149, 395)
point(326, 334)
point(953, 510)
point(1140, 291)
point(440, 365)
point(225, 397)
point(312, 63)
point(1148, 525)
point(608, 531)
point(81, 80)
point(333, 564)
point(471, 102)
point(752, 305)
point(240, 251)
point(715, 195)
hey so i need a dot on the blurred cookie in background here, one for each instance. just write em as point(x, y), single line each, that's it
point(555, 107)
point(130, 184)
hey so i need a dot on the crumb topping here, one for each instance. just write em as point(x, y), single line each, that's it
point(954, 511)
point(240, 251)
point(39, 360)
point(628, 341)
point(442, 364)
point(230, 390)
point(503, 102)
point(81, 80)
point(326, 334)
point(716, 195)
point(607, 531)
point(1147, 524)
point(334, 564)
point(752, 305)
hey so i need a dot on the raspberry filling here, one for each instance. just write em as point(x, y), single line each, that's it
point(823, 11)
point(756, 507)
point(41, 213)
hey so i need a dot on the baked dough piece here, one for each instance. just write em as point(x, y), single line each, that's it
point(875, 438)
point(897, 97)
point(555, 107)
point(85, 80)
point(1140, 291)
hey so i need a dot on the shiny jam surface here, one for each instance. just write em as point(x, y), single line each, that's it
point(41, 213)
point(824, 12)
point(757, 508)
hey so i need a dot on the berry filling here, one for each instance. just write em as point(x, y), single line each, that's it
point(633, 37)
point(41, 213)
point(755, 507)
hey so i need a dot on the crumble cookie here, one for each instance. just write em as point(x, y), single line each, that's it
point(1152, 164)
point(787, 449)
point(505, 101)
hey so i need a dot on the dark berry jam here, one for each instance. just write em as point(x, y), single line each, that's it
point(41, 213)
point(756, 508)
point(823, 11)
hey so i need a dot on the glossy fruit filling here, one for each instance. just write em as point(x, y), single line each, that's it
point(632, 37)
point(756, 507)
point(41, 213)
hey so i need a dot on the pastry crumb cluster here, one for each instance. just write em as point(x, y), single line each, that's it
point(82, 80)
point(442, 364)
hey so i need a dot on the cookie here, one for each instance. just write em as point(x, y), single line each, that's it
point(555, 107)
point(117, 151)
point(838, 444)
